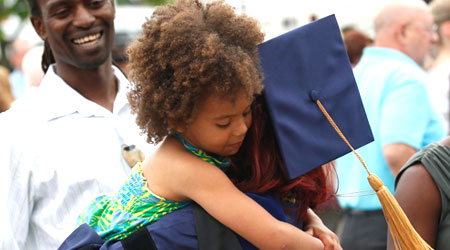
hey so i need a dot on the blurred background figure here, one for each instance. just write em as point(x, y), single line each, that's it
point(438, 83)
point(32, 66)
point(120, 57)
point(127, 23)
point(392, 85)
point(19, 48)
point(6, 95)
point(355, 41)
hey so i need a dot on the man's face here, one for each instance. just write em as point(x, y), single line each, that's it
point(79, 32)
point(420, 33)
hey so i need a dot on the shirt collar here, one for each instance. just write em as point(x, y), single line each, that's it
point(59, 99)
point(389, 53)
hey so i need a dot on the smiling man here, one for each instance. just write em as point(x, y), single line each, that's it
point(80, 35)
point(66, 142)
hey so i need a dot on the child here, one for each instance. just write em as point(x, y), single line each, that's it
point(196, 72)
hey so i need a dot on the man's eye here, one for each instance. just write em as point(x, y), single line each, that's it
point(97, 3)
point(61, 12)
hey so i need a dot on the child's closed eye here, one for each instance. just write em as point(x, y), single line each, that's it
point(225, 125)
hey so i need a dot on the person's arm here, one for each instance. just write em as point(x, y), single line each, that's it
point(14, 196)
point(396, 155)
point(403, 121)
point(219, 197)
point(419, 197)
point(212, 189)
point(315, 227)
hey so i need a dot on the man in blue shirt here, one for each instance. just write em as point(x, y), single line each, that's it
point(392, 87)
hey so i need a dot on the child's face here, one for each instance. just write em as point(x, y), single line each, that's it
point(220, 125)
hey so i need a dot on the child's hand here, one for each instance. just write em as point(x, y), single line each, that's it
point(315, 227)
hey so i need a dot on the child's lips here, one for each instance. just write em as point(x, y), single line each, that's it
point(236, 145)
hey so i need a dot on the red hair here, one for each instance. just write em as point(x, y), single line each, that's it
point(258, 167)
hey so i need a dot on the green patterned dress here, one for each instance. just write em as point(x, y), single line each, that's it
point(134, 206)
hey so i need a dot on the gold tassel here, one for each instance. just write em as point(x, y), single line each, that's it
point(404, 235)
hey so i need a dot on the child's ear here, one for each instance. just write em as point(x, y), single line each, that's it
point(176, 128)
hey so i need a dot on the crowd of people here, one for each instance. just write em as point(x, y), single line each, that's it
point(97, 155)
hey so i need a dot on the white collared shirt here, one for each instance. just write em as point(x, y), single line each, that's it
point(63, 150)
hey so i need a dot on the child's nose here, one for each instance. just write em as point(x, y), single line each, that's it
point(241, 127)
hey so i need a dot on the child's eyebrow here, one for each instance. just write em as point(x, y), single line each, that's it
point(229, 116)
point(223, 117)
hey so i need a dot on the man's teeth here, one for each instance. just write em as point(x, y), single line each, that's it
point(87, 40)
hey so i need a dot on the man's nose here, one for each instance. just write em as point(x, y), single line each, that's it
point(83, 17)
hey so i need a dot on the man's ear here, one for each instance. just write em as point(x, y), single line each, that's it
point(400, 33)
point(39, 27)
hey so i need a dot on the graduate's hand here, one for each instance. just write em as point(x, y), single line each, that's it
point(315, 227)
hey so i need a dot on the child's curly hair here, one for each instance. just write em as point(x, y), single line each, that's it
point(187, 51)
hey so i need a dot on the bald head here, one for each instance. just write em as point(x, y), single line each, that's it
point(405, 26)
point(399, 12)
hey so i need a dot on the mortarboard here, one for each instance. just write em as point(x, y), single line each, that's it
point(301, 66)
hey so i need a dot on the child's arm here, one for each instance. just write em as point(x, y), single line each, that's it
point(315, 227)
point(212, 190)
point(188, 177)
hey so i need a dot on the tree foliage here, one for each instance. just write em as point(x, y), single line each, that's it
point(7, 8)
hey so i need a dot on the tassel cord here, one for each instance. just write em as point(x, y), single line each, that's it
point(336, 128)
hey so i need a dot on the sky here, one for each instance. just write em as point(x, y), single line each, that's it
point(279, 16)
point(276, 16)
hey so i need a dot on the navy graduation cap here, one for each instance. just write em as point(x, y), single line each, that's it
point(300, 67)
